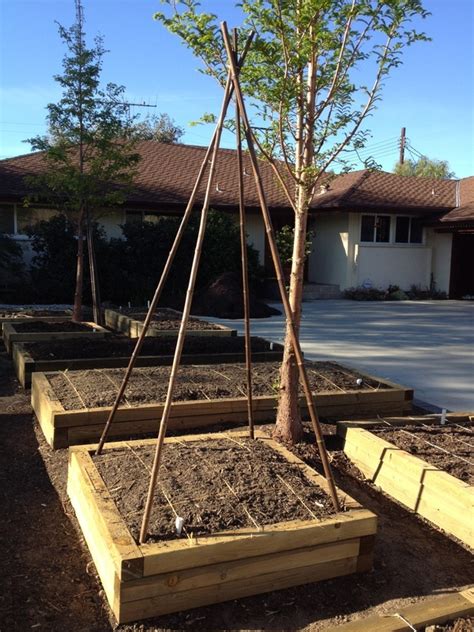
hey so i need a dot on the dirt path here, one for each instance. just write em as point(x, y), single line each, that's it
point(48, 581)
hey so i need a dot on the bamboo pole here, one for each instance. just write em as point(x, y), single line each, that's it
point(93, 273)
point(182, 328)
point(245, 277)
point(164, 275)
point(279, 271)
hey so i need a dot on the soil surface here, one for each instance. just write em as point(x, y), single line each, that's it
point(170, 319)
point(46, 326)
point(32, 313)
point(98, 387)
point(459, 625)
point(451, 448)
point(48, 580)
point(214, 486)
point(117, 347)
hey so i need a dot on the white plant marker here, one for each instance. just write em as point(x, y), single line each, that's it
point(179, 524)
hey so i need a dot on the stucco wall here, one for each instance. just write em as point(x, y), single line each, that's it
point(441, 260)
point(111, 221)
point(327, 262)
point(393, 265)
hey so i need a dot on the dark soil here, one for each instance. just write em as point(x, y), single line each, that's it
point(48, 581)
point(223, 298)
point(32, 313)
point(97, 388)
point(459, 625)
point(46, 326)
point(451, 448)
point(169, 319)
point(215, 486)
point(116, 347)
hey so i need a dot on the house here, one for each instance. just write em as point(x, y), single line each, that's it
point(370, 228)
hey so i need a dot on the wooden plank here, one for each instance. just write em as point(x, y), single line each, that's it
point(431, 611)
point(25, 365)
point(133, 327)
point(433, 494)
point(212, 574)
point(11, 335)
point(109, 527)
point(154, 606)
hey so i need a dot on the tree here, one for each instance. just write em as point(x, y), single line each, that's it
point(161, 128)
point(309, 100)
point(425, 167)
point(89, 157)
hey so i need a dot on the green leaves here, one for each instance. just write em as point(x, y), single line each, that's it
point(303, 73)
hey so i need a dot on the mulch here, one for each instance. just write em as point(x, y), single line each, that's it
point(48, 581)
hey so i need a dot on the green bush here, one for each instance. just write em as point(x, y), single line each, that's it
point(364, 294)
point(129, 268)
point(53, 269)
point(141, 255)
point(11, 269)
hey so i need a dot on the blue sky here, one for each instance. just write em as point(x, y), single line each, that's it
point(431, 94)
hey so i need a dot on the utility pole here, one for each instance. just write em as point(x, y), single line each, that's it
point(402, 145)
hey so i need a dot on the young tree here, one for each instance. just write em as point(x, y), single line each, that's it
point(306, 78)
point(425, 167)
point(89, 157)
point(161, 128)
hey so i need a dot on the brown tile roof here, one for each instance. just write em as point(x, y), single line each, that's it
point(379, 189)
point(465, 211)
point(166, 177)
point(167, 174)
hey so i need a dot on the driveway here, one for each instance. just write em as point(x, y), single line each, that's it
point(426, 345)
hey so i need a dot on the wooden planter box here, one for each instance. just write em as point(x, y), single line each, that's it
point(133, 328)
point(11, 335)
point(153, 579)
point(436, 610)
point(25, 365)
point(27, 319)
point(442, 499)
point(63, 428)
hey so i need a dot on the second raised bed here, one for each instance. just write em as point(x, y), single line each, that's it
point(73, 406)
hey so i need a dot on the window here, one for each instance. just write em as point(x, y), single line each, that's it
point(141, 216)
point(26, 217)
point(7, 219)
point(375, 228)
point(131, 217)
point(409, 230)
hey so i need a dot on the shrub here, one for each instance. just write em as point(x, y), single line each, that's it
point(53, 268)
point(364, 294)
point(129, 268)
point(11, 268)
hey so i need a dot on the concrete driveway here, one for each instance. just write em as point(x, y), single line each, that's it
point(426, 345)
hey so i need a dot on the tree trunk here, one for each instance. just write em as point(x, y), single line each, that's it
point(77, 310)
point(288, 427)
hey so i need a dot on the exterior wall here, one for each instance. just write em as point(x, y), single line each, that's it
point(111, 221)
point(328, 261)
point(387, 264)
point(256, 235)
point(393, 265)
point(441, 259)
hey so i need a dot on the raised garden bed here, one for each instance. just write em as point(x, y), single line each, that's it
point(114, 351)
point(73, 406)
point(45, 330)
point(165, 322)
point(450, 608)
point(390, 458)
point(239, 543)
